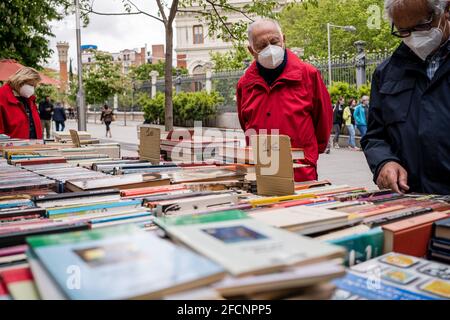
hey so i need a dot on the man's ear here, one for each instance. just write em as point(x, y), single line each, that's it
point(252, 52)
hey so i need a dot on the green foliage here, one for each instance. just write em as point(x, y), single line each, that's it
point(153, 108)
point(187, 106)
point(43, 91)
point(364, 91)
point(25, 29)
point(307, 28)
point(231, 60)
point(103, 79)
point(344, 89)
point(142, 72)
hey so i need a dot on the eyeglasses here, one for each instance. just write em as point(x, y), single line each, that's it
point(405, 33)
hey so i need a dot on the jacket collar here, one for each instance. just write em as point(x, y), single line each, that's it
point(292, 72)
point(405, 57)
point(9, 92)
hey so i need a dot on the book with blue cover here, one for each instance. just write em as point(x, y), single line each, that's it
point(121, 262)
point(106, 207)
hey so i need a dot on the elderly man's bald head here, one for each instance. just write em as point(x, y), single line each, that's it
point(263, 32)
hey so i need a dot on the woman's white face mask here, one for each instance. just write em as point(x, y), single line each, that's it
point(271, 56)
point(26, 91)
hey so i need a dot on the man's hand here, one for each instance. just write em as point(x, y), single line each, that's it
point(393, 176)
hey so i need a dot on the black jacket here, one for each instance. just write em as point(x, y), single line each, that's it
point(45, 110)
point(59, 114)
point(409, 121)
point(338, 113)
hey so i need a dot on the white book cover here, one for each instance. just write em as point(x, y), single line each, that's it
point(245, 246)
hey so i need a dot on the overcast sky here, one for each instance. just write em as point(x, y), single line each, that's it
point(110, 33)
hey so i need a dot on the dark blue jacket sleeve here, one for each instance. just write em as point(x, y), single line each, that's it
point(375, 143)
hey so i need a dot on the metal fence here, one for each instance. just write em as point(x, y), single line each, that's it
point(343, 70)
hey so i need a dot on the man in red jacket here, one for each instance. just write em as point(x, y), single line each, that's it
point(280, 92)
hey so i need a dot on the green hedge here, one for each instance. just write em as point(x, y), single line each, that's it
point(344, 89)
point(196, 106)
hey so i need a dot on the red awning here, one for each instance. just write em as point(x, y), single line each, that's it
point(8, 67)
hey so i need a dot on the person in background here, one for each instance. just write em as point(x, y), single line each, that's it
point(59, 117)
point(280, 92)
point(45, 112)
point(338, 111)
point(107, 117)
point(361, 116)
point(348, 117)
point(407, 145)
point(19, 117)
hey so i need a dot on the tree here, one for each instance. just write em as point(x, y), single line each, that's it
point(307, 28)
point(103, 79)
point(212, 12)
point(26, 28)
point(142, 72)
point(232, 60)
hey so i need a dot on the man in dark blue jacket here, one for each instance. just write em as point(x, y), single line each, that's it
point(407, 144)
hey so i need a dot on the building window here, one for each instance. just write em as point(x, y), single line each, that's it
point(198, 34)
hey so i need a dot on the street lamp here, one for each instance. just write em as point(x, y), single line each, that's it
point(329, 26)
point(80, 96)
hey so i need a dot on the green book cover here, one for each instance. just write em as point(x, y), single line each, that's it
point(183, 220)
point(362, 247)
point(80, 236)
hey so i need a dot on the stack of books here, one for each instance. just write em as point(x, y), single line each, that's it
point(222, 239)
point(439, 248)
point(15, 180)
point(196, 149)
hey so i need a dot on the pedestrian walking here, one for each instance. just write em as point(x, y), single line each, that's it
point(59, 117)
point(361, 115)
point(45, 113)
point(347, 118)
point(338, 111)
point(107, 117)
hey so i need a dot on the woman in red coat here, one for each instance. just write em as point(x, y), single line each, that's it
point(19, 117)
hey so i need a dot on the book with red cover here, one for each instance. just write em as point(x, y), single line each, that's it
point(411, 236)
point(46, 160)
point(20, 283)
point(4, 294)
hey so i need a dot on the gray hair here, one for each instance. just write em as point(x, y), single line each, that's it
point(437, 6)
point(260, 22)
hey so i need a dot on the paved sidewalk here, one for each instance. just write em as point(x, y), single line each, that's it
point(342, 166)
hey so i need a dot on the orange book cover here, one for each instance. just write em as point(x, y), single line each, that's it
point(411, 236)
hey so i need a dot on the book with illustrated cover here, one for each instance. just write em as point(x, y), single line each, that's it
point(243, 245)
point(395, 276)
point(121, 263)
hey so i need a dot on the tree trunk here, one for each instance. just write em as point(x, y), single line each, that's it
point(168, 78)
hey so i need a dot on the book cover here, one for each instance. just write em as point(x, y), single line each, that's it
point(411, 236)
point(121, 263)
point(243, 245)
point(20, 283)
point(362, 246)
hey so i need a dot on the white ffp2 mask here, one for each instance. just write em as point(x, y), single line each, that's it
point(26, 91)
point(423, 43)
point(271, 56)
